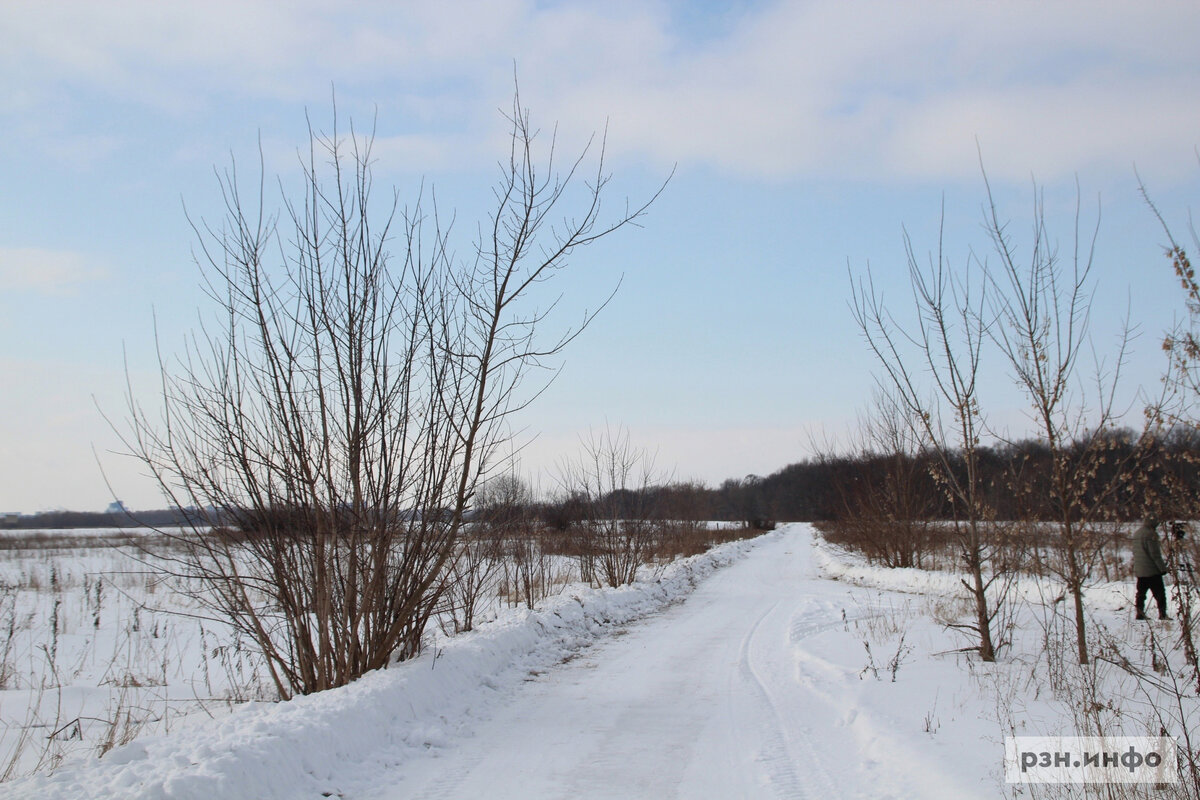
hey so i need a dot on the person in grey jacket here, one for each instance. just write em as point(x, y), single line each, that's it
point(1149, 568)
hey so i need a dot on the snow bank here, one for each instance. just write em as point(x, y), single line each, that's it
point(302, 748)
point(839, 564)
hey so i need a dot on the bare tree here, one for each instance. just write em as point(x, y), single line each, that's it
point(1042, 303)
point(499, 515)
point(505, 514)
point(471, 577)
point(1173, 416)
point(613, 479)
point(1182, 342)
point(947, 343)
point(332, 419)
point(890, 506)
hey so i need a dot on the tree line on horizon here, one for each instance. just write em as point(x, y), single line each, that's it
point(905, 485)
point(832, 488)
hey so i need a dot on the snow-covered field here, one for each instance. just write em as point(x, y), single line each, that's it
point(775, 667)
point(96, 647)
point(99, 646)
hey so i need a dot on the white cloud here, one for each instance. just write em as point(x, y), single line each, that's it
point(1048, 132)
point(44, 271)
point(872, 88)
point(889, 89)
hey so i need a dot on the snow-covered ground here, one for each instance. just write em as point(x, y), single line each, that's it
point(96, 647)
point(776, 667)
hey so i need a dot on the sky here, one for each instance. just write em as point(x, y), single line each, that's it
point(805, 139)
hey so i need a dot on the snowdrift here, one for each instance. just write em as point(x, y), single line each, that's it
point(303, 747)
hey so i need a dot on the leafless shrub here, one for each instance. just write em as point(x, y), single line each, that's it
point(682, 538)
point(530, 574)
point(889, 503)
point(679, 539)
point(472, 576)
point(1173, 416)
point(944, 342)
point(331, 422)
point(1042, 303)
point(611, 480)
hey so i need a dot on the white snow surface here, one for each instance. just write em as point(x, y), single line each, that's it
point(736, 673)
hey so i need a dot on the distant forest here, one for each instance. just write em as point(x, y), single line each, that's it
point(99, 519)
point(1015, 478)
point(829, 487)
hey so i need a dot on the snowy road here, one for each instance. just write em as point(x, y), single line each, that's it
point(738, 673)
point(724, 695)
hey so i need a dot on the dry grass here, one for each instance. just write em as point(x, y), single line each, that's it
point(1030, 548)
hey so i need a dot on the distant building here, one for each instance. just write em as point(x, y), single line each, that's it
point(116, 507)
point(9, 519)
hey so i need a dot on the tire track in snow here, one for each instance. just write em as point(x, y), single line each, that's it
point(778, 756)
point(817, 621)
point(802, 627)
point(811, 669)
point(447, 786)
